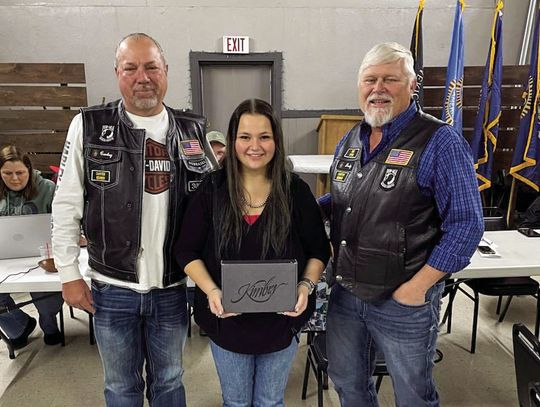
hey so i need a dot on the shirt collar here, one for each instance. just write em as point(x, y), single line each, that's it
point(390, 131)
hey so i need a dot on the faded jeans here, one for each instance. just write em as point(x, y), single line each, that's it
point(133, 328)
point(405, 334)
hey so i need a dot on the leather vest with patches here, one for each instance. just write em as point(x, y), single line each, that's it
point(383, 228)
point(114, 164)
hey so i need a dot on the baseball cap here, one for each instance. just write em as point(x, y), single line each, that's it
point(216, 136)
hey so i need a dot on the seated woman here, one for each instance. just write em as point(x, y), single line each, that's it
point(23, 191)
point(252, 209)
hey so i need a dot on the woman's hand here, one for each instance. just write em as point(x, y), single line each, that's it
point(216, 307)
point(301, 302)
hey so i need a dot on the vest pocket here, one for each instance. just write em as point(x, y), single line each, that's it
point(102, 167)
point(379, 267)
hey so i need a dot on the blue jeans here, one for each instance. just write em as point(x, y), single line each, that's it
point(406, 335)
point(132, 328)
point(253, 380)
point(13, 323)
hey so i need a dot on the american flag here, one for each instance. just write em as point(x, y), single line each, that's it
point(399, 157)
point(191, 147)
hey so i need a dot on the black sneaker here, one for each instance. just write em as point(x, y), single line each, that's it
point(22, 341)
point(53, 339)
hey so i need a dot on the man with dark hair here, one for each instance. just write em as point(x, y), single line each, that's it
point(126, 171)
point(406, 213)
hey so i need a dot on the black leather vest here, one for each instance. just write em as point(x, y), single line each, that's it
point(114, 184)
point(383, 228)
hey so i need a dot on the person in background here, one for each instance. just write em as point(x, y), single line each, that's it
point(263, 212)
point(218, 143)
point(23, 191)
point(405, 214)
point(129, 166)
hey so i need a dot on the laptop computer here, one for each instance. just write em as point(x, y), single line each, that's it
point(259, 286)
point(21, 236)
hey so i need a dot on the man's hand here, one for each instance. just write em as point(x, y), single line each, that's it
point(410, 293)
point(77, 294)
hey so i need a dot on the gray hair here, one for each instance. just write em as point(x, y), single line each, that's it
point(138, 36)
point(388, 52)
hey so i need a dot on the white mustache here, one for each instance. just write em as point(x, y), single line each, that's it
point(384, 98)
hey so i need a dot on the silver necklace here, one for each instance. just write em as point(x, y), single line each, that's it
point(249, 204)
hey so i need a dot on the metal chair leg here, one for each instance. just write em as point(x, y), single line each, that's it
point(536, 325)
point(62, 331)
point(306, 377)
point(378, 383)
point(499, 301)
point(11, 351)
point(319, 387)
point(475, 321)
point(506, 305)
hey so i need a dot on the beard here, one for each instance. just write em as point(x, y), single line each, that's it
point(378, 116)
point(145, 103)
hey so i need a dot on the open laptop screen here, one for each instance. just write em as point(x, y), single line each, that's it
point(259, 286)
point(21, 236)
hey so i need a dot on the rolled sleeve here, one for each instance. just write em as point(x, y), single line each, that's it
point(446, 172)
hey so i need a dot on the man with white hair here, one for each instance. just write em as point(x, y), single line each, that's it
point(405, 214)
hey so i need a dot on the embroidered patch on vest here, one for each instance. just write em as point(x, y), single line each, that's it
point(191, 147)
point(390, 178)
point(340, 176)
point(100, 176)
point(193, 185)
point(344, 165)
point(107, 133)
point(399, 157)
point(351, 153)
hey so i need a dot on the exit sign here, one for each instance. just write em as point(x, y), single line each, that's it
point(233, 44)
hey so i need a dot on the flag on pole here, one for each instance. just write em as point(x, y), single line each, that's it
point(484, 139)
point(452, 105)
point(417, 50)
point(527, 151)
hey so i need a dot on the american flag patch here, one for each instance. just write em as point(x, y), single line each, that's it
point(399, 157)
point(191, 147)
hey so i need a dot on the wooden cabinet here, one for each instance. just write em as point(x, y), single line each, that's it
point(331, 129)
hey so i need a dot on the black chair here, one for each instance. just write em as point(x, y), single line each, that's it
point(498, 287)
point(318, 362)
point(527, 363)
point(534, 394)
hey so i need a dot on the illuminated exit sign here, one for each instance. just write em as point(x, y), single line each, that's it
point(233, 44)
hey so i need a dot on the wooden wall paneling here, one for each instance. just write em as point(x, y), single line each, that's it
point(57, 96)
point(42, 73)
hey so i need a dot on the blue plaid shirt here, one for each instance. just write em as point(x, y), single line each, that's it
point(446, 173)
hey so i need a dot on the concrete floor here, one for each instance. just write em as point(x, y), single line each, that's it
point(71, 376)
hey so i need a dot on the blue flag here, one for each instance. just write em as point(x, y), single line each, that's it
point(452, 105)
point(417, 51)
point(527, 151)
point(484, 140)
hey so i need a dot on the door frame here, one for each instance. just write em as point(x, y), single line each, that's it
point(198, 60)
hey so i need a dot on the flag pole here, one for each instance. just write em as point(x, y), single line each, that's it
point(511, 205)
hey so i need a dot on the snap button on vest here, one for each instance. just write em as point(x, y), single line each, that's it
point(339, 277)
point(348, 210)
point(359, 175)
point(344, 243)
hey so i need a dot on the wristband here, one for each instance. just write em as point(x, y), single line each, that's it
point(310, 285)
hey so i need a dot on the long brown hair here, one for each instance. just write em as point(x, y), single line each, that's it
point(277, 214)
point(14, 153)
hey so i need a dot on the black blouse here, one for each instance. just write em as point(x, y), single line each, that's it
point(250, 333)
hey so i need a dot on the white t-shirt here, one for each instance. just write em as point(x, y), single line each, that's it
point(68, 205)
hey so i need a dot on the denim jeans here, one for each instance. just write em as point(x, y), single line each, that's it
point(13, 323)
point(253, 380)
point(132, 328)
point(405, 334)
